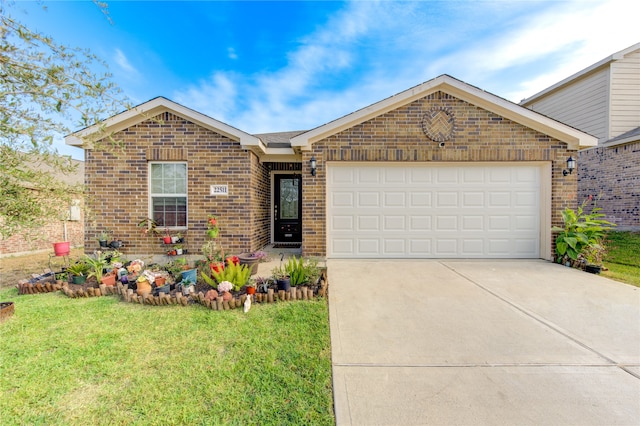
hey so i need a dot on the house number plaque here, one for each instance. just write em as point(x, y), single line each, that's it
point(219, 190)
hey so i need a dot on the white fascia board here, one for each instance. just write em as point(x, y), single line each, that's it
point(573, 137)
point(281, 158)
point(305, 140)
point(156, 106)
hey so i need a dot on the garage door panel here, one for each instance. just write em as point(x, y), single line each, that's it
point(427, 211)
point(394, 247)
point(342, 199)
point(394, 223)
point(368, 223)
point(395, 176)
point(420, 199)
point(446, 199)
point(342, 246)
point(420, 223)
point(446, 175)
point(368, 246)
point(394, 199)
point(368, 176)
point(368, 199)
point(342, 223)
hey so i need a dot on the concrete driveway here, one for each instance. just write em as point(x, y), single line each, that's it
point(482, 342)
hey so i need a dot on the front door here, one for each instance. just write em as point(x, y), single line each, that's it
point(287, 208)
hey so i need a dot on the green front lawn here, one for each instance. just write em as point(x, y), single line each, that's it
point(99, 361)
point(623, 257)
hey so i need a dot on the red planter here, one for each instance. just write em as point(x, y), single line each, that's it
point(251, 290)
point(62, 249)
point(167, 240)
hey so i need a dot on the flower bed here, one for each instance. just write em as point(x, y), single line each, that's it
point(175, 297)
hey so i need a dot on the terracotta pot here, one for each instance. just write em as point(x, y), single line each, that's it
point(226, 296)
point(109, 280)
point(251, 290)
point(211, 295)
point(143, 287)
point(62, 249)
point(160, 281)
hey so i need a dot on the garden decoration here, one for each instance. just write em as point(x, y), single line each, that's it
point(211, 250)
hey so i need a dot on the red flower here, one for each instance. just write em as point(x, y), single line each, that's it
point(212, 221)
point(233, 259)
point(217, 267)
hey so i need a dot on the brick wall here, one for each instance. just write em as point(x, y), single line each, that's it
point(398, 136)
point(43, 238)
point(117, 185)
point(612, 177)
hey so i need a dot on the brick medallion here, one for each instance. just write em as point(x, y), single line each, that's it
point(439, 124)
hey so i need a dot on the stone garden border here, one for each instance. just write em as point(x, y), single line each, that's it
point(49, 284)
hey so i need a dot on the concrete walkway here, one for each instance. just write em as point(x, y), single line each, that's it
point(482, 342)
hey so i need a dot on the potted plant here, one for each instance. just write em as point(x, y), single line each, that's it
point(167, 236)
point(79, 271)
point(143, 285)
point(282, 278)
point(187, 286)
point(96, 266)
point(301, 271)
point(103, 239)
point(581, 230)
point(225, 288)
point(252, 260)
point(593, 255)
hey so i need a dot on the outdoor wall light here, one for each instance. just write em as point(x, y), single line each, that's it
point(313, 165)
point(571, 165)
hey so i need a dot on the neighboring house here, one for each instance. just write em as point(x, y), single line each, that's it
point(604, 100)
point(42, 238)
point(441, 170)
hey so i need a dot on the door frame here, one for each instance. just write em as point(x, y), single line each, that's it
point(273, 199)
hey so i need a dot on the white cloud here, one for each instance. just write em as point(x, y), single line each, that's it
point(231, 53)
point(215, 97)
point(371, 50)
point(122, 61)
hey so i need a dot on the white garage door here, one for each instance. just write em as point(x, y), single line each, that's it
point(433, 211)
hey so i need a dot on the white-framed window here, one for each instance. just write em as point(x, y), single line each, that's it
point(168, 194)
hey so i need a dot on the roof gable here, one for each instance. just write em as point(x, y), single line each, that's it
point(606, 62)
point(574, 138)
point(152, 108)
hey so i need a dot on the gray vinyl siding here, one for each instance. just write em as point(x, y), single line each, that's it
point(582, 104)
point(625, 94)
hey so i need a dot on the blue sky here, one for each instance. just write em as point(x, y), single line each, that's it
point(294, 65)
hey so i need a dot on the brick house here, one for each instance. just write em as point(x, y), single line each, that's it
point(604, 100)
point(443, 169)
point(41, 238)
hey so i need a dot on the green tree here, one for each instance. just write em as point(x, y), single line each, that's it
point(45, 88)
